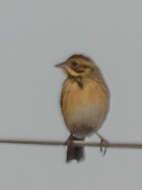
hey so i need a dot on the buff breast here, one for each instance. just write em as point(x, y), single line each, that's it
point(84, 109)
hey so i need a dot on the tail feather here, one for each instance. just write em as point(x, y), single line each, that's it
point(75, 153)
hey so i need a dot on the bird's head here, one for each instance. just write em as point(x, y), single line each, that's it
point(77, 66)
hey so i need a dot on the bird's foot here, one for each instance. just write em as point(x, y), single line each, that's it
point(104, 144)
point(69, 141)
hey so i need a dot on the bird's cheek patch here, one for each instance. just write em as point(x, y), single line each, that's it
point(71, 71)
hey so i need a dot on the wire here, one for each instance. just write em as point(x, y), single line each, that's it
point(62, 143)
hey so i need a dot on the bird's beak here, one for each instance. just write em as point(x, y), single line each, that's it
point(60, 65)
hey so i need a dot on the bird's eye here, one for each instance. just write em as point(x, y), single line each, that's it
point(74, 64)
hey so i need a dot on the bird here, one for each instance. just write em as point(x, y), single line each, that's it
point(85, 100)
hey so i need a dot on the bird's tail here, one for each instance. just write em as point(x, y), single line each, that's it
point(75, 152)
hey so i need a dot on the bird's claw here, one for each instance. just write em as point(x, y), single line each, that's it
point(104, 144)
point(69, 141)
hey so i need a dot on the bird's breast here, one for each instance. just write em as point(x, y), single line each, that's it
point(84, 109)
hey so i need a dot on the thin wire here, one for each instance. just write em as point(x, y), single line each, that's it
point(121, 145)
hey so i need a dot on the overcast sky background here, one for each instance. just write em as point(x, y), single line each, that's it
point(36, 35)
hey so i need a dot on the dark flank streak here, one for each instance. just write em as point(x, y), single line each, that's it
point(80, 84)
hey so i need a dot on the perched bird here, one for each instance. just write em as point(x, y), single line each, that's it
point(84, 102)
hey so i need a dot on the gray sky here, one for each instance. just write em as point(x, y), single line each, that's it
point(34, 36)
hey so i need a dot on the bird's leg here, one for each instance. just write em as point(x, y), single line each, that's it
point(69, 141)
point(103, 144)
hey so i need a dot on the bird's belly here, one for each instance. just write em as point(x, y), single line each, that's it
point(85, 120)
point(84, 110)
